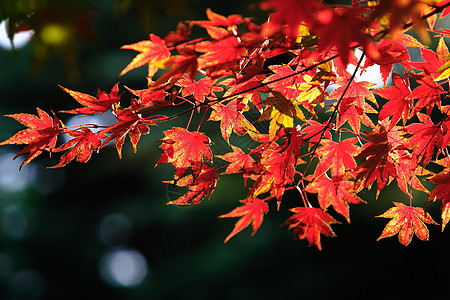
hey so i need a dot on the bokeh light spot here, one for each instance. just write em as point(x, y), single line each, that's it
point(123, 267)
point(11, 179)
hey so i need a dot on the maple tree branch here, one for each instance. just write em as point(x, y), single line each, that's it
point(330, 119)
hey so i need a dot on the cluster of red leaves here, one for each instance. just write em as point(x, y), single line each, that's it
point(321, 130)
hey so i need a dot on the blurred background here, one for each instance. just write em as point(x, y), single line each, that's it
point(102, 230)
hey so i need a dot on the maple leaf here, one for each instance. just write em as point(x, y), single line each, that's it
point(129, 122)
point(315, 131)
point(41, 134)
point(183, 149)
point(200, 183)
point(310, 223)
point(337, 156)
point(400, 12)
point(252, 211)
point(406, 171)
point(150, 100)
point(277, 172)
point(288, 15)
point(276, 168)
point(231, 118)
point(283, 80)
point(280, 112)
point(93, 105)
point(376, 151)
point(424, 138)
point(433, 61)
point(249, 90)
point(428, 92)
point(406, 221)
point(215, 21)
point(185, 63)
point(199, 89)
point(442, 191)
point(352, 29)
point(356, 91)
point(400, 102)
point(82, 145)
point(238, 159)
point(153, 50)
point(336, 192)
point(391, 52)
point(220, 57)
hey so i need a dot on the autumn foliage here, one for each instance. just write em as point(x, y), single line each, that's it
point(285, 86)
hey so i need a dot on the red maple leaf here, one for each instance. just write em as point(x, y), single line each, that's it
point(377, 165)
point(200, 183)
point(198, 89)
point(41, 134)
point(433, 61)
point(231, 118)
point(93, 105)
point(352, 30)
point(277, 172)
point(425, 137)
point(216, 22)
point(406, 221)
point(129, 122)
point(82, 145)
point(252, 211)
point(337, 156)
point(442, 191)
point(310, 223)
point(178, 65)
point(153, 50)
point(276, 168)
point(288, 15)
point(428, 94)
point(151, 100)
point(315, 131)
point(391, 52)
point(400, 102)
point(336, 192)
point(220, 57)
point(239, 161)
point(183, 149)
point(355, 93)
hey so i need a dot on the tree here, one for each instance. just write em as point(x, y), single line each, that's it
point(284, 86)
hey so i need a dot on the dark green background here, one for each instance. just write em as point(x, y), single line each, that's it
point(183, 246)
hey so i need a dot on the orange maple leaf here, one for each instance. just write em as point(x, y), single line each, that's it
point(129, 122)
point(183, 149)
point(231, 119)
point(310, 223)
point(252, 212)
point(41, 134)
point(337, 156)
point(82, 145)
point(153, 50)
point(200, 183)
point(93, 105)
point(335, 191)
point(238, 159)
point(406, 221)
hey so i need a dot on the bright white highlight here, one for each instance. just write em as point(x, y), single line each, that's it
point(371, 74)
point(19, 40)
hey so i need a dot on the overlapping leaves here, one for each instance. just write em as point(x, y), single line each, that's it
point(283, 87)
